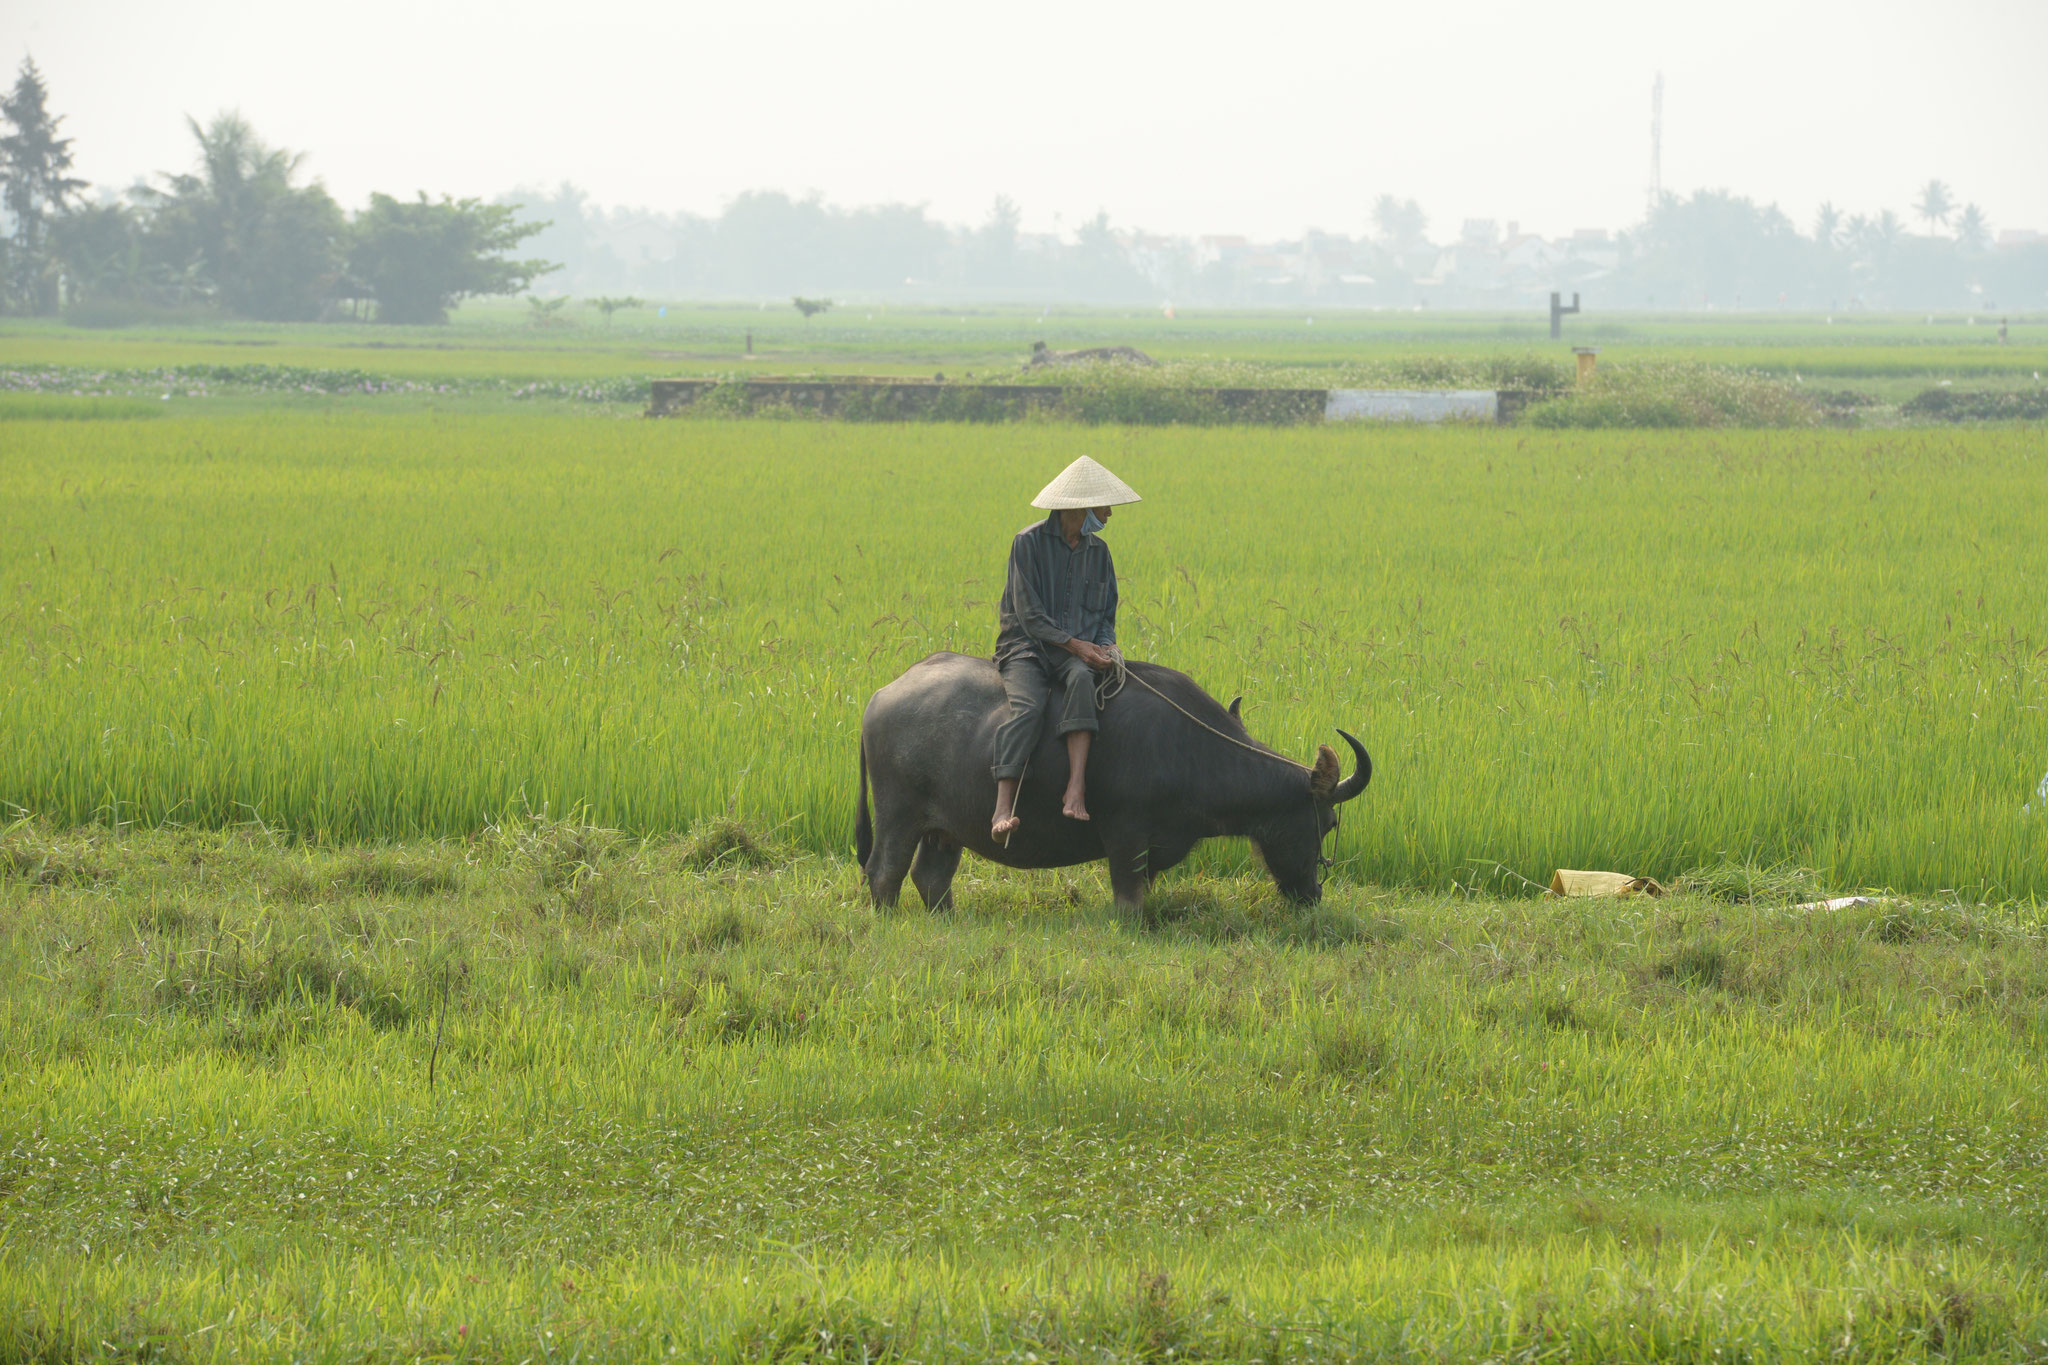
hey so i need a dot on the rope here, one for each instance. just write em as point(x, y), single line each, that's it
point(1112, 682)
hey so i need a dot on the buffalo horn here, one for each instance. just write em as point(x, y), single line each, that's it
point(1362, 774)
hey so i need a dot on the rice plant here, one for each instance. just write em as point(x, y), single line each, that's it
point(1650, 651)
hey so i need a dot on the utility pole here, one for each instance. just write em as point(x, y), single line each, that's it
point(1656, 142)
point(1557, 312)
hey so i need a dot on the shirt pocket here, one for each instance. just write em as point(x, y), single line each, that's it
point(1097, 597)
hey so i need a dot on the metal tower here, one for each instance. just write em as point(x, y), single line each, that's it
point(1657, 141)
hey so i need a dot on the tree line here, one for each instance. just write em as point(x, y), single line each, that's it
point(767, 244)
point(1713, 249)
point(240, 234)
point(1720, 249)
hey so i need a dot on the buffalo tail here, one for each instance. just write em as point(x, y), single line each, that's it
point(863, 828)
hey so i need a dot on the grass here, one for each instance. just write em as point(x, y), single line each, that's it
point(433, 940)
point(735, 1114)
point(1657, 370)
point(494, 341)
point(22, 407)
point(1654, 652)
point(1671, 396)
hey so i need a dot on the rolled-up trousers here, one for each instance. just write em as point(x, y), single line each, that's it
point(1029, 683)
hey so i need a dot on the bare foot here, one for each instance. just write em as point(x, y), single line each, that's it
point(1074, 807)
point(1001, 830)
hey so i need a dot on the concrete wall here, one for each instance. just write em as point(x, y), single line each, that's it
point(1412, 405)
point(908, 399)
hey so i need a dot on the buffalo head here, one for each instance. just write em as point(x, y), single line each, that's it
point(1291, 838)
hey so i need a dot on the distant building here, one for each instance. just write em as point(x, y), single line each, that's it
point(1210, 251)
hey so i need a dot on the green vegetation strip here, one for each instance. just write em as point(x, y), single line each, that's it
point(488, 340)
point(1640, 650)
point(550, 1094)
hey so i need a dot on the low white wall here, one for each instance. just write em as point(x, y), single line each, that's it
point(1412, 405)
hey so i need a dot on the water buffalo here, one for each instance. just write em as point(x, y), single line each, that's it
point(1158, 784)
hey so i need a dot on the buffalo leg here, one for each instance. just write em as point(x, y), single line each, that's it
point(894, 847)
point(938, 858)
point(1129, 874)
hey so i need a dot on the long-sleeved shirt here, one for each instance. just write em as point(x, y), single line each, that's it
point(1056, 591)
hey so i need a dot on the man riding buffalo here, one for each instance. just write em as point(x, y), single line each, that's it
point(1172, 765)
point(1058, 627)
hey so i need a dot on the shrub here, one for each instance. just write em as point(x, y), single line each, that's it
point(1978, 405)
point(1676, 396)
point(1609, 410)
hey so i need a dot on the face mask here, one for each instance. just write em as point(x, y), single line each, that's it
point(1091, 524)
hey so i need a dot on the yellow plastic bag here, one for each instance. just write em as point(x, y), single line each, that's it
point(1565, 882)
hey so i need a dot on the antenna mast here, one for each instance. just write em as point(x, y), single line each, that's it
point(1657, 141)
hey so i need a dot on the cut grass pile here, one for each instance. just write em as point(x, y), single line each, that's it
point(1647, 651)
point(738, 1115)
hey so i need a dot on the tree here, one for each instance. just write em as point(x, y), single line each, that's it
point(269, 248)
point(1827, 224)
point(811, 307)
point(101, 247)
point(1973, 230)
point(1101, 267)
point(1400, 223)
point(768, 242)
point(1716, 247)
point(33, 186)
point(992, 251)
point(609, 305)
point(419, 258)
point(1934, 205)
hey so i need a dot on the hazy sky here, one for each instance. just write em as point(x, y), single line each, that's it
point(1178, 117)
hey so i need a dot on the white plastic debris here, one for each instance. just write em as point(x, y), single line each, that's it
point(1846, 902)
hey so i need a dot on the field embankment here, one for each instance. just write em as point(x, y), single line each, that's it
point(549, 1094)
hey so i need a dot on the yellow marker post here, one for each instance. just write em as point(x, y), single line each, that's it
point(1588, 358)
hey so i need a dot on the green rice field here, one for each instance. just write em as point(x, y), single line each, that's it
point(428, 930)
point(496, 339)
point(1655, 650)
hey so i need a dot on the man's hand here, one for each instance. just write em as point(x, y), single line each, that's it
point(1094, 655)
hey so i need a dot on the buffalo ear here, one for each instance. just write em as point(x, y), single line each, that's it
point(1236, 702)
point(1322, 779)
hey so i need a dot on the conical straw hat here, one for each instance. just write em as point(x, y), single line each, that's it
point(1085, 483)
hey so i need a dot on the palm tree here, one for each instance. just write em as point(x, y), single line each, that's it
point(1827, 223)
point(270, 248)
point(1935, 204)
point(1973, 232)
